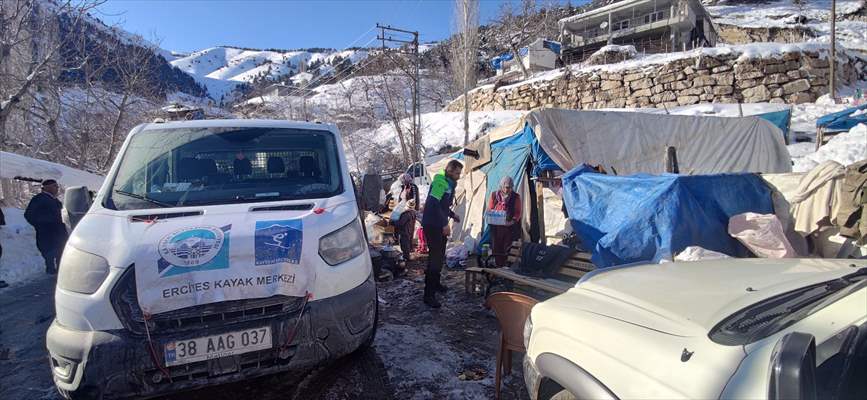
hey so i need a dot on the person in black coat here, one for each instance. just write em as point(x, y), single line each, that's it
point(44, 213)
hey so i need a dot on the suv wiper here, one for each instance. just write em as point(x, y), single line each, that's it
point(144, 198)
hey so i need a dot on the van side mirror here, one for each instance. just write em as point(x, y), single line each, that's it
point(793, 368)
point(76, 200)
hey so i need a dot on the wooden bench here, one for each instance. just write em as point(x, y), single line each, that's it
point(566, 276)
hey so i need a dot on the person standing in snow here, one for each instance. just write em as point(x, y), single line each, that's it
point(44, 213)
point(506, 200)
point(435, 224)
point(406, 224)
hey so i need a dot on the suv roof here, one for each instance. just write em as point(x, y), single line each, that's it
point(239, 123)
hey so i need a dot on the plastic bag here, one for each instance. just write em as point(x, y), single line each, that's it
point(763, 234)
point(457, 256)
point(398, 210)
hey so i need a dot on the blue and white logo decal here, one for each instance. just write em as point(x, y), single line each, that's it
point(194, 249)
point(278, 241)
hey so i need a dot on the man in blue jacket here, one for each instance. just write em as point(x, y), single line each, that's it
point(44, 213)
point(435, 224)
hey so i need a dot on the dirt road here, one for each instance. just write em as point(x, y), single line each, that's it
point(418, 353)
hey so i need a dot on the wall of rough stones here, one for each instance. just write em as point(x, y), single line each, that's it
point(796, 76)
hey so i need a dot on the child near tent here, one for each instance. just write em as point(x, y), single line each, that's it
point(502, 236)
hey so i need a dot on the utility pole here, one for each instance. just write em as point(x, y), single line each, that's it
point(833, 81)
point(415, 75)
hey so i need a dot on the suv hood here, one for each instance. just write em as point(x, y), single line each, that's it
point(690, 298)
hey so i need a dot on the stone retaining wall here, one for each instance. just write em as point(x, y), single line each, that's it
point(792, 77)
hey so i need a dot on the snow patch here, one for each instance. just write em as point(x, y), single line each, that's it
point(844, 148)
point(21, 261)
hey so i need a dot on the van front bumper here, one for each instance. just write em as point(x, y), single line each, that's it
point(119, 364)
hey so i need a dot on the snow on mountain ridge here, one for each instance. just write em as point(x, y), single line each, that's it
point(223, 69)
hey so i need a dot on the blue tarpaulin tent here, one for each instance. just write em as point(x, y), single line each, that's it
point(646, 218)
point(843, 121)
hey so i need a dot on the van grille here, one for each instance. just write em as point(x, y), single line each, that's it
point(125, 302)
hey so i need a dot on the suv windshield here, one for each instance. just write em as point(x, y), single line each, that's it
point(770, 316)
point(198, 166)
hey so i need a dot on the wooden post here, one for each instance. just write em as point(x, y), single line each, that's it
point(833, 65)
point(540, 207)
point(671, 160)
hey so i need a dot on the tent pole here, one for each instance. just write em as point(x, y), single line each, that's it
point(540, 207)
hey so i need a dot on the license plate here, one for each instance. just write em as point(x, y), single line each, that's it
point(223, 345)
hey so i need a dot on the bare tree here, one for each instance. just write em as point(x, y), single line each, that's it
point(464, 53)
point(29, 44)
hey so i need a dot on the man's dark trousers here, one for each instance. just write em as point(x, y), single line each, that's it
point(436, 244)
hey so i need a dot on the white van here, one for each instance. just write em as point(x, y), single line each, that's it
point(215, 251)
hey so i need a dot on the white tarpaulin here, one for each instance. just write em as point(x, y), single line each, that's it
point(636, 142)
point(183, 263)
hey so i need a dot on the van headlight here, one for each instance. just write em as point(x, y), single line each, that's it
point(343, 244)
point(81, 272)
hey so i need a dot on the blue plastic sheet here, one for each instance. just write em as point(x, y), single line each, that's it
point(779, 118)
point(842, 121)
point(645, 218)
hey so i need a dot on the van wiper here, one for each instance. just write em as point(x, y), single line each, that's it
point(144, 198)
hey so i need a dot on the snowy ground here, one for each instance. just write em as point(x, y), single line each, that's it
point(21, 261)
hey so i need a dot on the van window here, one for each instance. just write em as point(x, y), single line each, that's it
point(204, 166)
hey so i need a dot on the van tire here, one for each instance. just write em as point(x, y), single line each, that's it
point(367, 343)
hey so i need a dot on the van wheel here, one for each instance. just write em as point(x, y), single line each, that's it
point(367, 343)
point(562, 395)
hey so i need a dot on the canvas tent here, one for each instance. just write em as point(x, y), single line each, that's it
point(558, 140)
point(778, 114)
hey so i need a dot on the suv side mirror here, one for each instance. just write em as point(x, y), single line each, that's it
point(76, 200)
point(793, 368)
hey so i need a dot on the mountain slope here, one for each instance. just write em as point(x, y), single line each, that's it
point(224, 69)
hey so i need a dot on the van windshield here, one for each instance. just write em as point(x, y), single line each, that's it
point(204, 166)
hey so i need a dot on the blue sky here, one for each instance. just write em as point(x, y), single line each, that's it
point(195, 25)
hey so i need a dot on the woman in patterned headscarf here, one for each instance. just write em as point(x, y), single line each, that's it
point(406, 224)
point(505, 199)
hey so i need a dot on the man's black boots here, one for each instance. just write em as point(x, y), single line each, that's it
point(430, 297)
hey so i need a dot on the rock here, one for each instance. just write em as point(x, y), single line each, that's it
point(725, 79)
point(800, 85)
point(721, 68)
point(756, 94)
point(703, 81)
point(818, 62)
point(777, 92)
point(799, 98)
point(749, 75)
point(680, 85)
point(666, 78)
point(687, 100)
point(775, 79)
point(663, 97)
point(642, 92)
point(689, 70)
point(706, 97)
point(794, 74)
point(608, 85)
point(720, 90)
point(777, 100)
point(633, 77)
point(641, 84)
point(746, 83)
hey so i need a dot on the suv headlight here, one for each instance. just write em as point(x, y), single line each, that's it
point(528, 330)
point(343, 244)
point(81, 272)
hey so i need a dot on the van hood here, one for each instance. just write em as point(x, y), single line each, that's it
point(690, 298)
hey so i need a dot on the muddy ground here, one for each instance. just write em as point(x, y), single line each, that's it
point(419, 353)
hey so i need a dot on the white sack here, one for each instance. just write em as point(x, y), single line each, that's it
point(763, 234)
point(698, 253)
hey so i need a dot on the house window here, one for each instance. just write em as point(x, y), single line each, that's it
point(624, 24)
point(653, 17)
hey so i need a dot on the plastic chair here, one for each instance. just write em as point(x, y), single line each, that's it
point(512, 310)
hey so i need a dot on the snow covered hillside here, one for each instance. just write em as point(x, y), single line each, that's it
point(222, 69)
point(813, 17)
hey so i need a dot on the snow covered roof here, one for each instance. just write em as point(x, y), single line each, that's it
point(12, 165)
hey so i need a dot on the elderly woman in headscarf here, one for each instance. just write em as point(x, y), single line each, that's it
point(505, 199)
point(406, 224)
